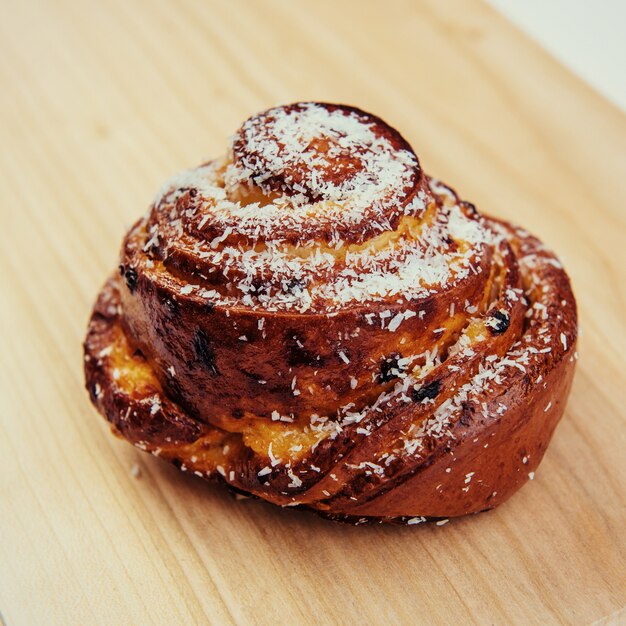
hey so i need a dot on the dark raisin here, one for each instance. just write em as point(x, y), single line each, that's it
point(237, 413)
point(297, 354)
point(293, 285)
point(500, 323)
point(471, 208)
point(94, 392)
point(131, 278)
point(389, 368)
point(209, 307)
point(467, 414)
point(193, 192)
point(452, 245)
point(204, 351)
point(430, 391)
point(171, 305)
point(260, 287)
point(122, 270)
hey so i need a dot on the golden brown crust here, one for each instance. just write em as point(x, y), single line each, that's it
point(414, 369)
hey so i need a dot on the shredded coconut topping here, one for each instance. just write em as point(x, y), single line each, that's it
point(265, 271)
point(317, 209)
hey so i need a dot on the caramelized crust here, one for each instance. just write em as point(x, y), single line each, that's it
point(317, 323)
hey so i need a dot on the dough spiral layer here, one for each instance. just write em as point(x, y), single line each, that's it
point(316, 322)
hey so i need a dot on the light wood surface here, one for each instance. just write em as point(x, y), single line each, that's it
point(100, 101)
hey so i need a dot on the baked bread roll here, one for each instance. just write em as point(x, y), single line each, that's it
point(314, 321)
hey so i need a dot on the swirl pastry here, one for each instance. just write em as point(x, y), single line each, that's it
point(314, 321)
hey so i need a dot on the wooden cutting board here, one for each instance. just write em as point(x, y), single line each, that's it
point(100, 101)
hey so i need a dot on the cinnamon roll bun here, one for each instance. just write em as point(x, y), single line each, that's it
point(314, 321)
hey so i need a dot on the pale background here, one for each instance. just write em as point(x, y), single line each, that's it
point(588, 36)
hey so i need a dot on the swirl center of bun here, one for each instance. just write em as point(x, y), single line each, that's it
point(329, 153)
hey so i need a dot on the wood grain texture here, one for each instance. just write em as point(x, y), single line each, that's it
point(99, 103)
